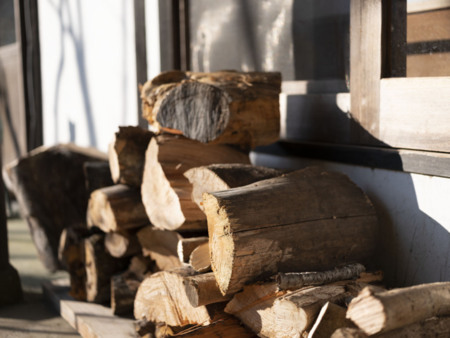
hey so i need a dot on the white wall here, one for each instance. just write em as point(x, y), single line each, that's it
point(414, 243)
point(88, 70)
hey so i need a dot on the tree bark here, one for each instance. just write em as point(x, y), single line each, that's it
point(127, 155)
point(217, 177)
point(376, 312)
point(259, 230)
point(116, 208)
point(49, 184)
point(202, 289)
point(166, 193)
point(97, 175)
point(223, 107)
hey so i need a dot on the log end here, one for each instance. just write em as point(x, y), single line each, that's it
point(113, 163)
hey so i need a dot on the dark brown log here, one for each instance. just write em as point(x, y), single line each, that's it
point(202, 289)
point(122, 244)
point(224, 107)
point(330, 318)
point(116, 208)
point(187, 245)
point(166, 193)
point(100, 267)
point(199, 259)
point(127, 155)
point(259, 230)
point(217, 177)
point(377, 312)
point(97, 175)
point(49, 184)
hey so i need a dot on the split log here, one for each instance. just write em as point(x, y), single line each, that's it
point(122, 244)
point(161, 246)
point(217, 177)
point(97, 175)
point(161, 297)
point(100, 267)
point(49, 184)
point(199, 259)
point(224, 107)
point(259, 230)
point(116, 208)
point(202, 289)
point(127, 155)
point(331, 317)
point(384, 311)
point(187, 245)
point(166, 193)
point(433, 327)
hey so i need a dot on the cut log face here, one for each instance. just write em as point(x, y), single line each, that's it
point(223, 107)
point(199, 259)
point(127, 155)
point(202, 289)
point(217, 177)
point(330, 318)
point(376, 312)
point(258, 230)
point(116, 208)
point(122, 244)
point(187, 245)
point(161, 298)
point(49, 184)
point(166, 193)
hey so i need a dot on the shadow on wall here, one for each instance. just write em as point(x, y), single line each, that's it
point(413, 247)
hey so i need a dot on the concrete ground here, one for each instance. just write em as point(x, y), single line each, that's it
point(32, 317)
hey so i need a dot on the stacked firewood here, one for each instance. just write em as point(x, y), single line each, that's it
point(182, 231)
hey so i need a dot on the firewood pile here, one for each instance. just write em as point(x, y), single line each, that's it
point(178, 228)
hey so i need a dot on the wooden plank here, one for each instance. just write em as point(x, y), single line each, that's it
point(428, 26)
point(414, 113)
point(365, 65)
point(90, 320)
point(428, 65)
point(427, 5)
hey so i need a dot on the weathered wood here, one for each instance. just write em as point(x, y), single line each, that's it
point(161, 297)
point(127, 155)
point(202, 289)
point(376, 312)
point(97, 175)
point(216, 177)
point(100, 267)
point(296, 280)
point(259, 230)
point(49, 185)
point(161, 246)
point(187, 245)
point(116, 208)
point(330, 318)
point(166, 193)
point(222, 107)
point(122, 244)
point(199, 258)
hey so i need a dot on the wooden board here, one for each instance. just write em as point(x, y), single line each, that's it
point(90, 320)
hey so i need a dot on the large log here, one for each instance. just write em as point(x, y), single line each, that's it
point(116, 208)
point(97, 175)
point(376, 312)
point(223, 107)
point(49, 184)
point(217, 177)
point(122, 244)
point(260, 229)
point(166, 193)
point(127, 155)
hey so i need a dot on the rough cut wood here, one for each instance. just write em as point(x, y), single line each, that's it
point(161, 246)
point(122, 244)
point(97, 175)
point(222, 107)
point(100, 267)
point(202, 289)
point(166, 193)
point(330, 318)
point(116, 208)
point(217, 177)
point(259, 230)
point(161, 298)
point(384, 311)
point(199, 259)
point(187, 245)
point(49, 184)
point(127, 155)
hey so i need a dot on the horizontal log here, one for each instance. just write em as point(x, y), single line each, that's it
point(187, 245)
point(122, 244)
point(199, 258)
point(202, 289)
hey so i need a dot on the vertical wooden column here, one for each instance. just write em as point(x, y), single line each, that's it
point(365, 68)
